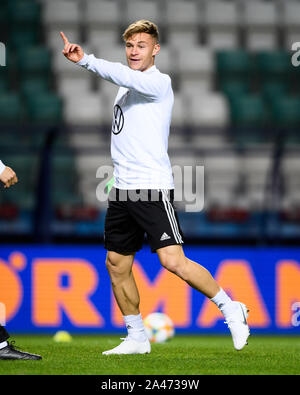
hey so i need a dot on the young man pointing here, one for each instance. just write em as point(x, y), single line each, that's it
point(139, 142)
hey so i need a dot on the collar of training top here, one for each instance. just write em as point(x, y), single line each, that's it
point(152, 68)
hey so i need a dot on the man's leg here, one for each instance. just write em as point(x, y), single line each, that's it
point(173, 259)
point(8, 351)
point(4, 336)
point(119, 267)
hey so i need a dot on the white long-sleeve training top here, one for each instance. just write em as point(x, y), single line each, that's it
point(141, 124)
point(2, 167)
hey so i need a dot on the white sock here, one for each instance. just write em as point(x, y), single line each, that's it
point(224, 303)
point(3, 344)
point(135, 327)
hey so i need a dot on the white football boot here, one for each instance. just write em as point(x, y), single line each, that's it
point(130, 346)
point(237, 323)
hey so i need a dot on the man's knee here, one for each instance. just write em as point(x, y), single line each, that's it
point(117, 264)
point(112, 260)
point(174, 262)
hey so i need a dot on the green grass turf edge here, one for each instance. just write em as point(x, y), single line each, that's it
point(183, 355)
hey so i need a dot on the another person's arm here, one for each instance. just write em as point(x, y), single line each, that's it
point(7, 175)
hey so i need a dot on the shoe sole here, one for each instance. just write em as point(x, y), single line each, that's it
point(108, 352)
point(137, 353)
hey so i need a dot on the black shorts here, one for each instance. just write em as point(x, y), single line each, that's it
point(132, 214)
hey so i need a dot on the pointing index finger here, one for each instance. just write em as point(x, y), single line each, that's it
point(66, 41)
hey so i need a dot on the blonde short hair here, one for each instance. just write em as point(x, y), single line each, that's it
point(141, 26)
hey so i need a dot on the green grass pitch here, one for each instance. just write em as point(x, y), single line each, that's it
point(183, 355)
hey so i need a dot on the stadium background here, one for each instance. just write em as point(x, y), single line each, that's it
point(236, 112)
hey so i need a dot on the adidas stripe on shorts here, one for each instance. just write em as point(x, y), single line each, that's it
point(133, 213)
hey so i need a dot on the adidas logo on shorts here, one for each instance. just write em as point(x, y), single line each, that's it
point(164, 236)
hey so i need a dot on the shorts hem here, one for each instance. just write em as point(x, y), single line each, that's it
point(171, 243)
point(120, 250)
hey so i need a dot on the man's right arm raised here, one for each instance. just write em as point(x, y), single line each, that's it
point(151, 85)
